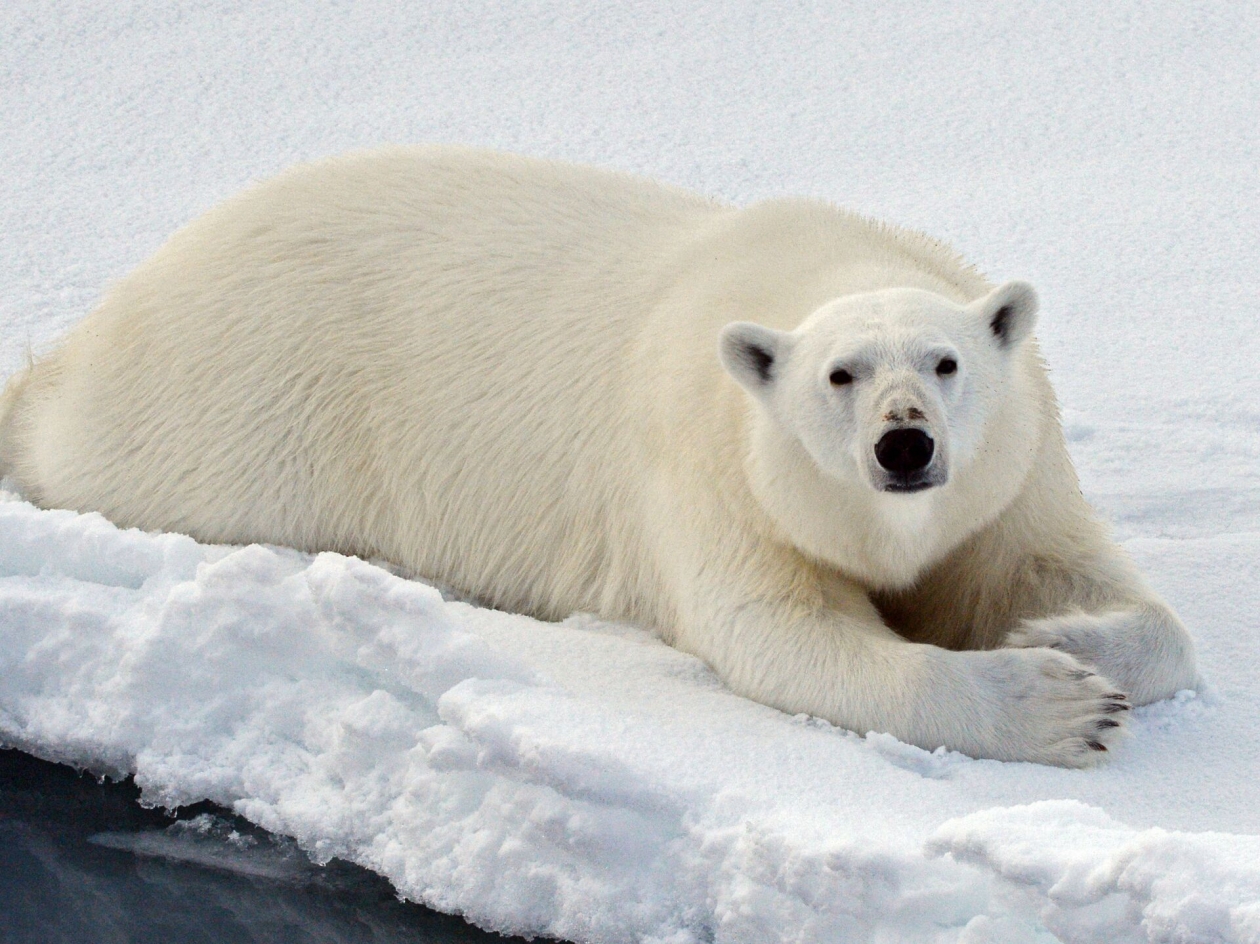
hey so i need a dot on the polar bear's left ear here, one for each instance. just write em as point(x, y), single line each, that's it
point(1010, 311)
point(753, 355)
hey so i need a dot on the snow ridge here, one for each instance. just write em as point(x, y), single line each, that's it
point(326, 699)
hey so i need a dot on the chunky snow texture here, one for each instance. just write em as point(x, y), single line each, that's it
point(1096, 871)
point(581, 779)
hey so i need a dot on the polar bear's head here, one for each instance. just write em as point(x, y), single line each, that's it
point(889, 393)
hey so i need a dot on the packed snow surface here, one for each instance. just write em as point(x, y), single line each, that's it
point(581, 779)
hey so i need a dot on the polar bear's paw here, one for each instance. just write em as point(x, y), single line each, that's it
point(1144, 649)
point(1052, 709)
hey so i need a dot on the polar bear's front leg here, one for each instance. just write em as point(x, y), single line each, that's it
point(833, 658)
point(1144, 648)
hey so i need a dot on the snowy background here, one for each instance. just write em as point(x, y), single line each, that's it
point(579, 779)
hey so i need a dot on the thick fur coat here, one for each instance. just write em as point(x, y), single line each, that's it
point(560, 388)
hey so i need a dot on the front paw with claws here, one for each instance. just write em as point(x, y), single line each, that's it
point(1053, 709)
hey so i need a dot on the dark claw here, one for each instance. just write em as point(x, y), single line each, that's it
point(1077, 675)
point(1095, 746)
point(1118, 696)
point(1108, 723)
point(1113, 706)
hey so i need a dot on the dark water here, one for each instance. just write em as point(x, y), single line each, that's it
point(83, 862)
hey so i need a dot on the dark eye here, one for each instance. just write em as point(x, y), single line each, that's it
point(841, 377)
point(947, 367)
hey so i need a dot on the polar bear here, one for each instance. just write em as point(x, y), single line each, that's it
point(818, 452)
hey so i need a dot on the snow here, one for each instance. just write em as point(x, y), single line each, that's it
point(1190, 886)
point(580, 779)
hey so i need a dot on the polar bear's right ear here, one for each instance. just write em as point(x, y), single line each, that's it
point(753, 355)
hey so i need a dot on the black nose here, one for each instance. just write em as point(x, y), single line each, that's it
point(904, 450)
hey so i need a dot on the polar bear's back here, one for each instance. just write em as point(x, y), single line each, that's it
point(413, 353)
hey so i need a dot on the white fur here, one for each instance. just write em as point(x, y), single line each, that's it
point(504, 374)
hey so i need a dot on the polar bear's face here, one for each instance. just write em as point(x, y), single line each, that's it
point(890, 389)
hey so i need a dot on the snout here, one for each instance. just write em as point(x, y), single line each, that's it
point(905, 455)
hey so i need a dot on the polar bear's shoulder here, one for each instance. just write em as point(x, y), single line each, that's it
point(813, 234)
